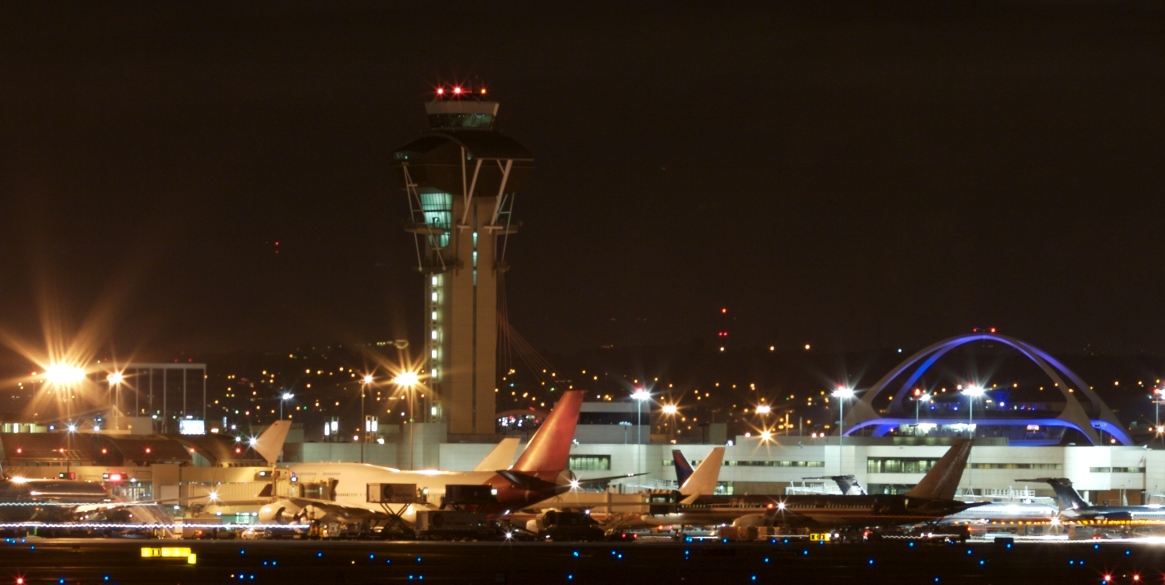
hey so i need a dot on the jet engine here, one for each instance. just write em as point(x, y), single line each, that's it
point(280, 512)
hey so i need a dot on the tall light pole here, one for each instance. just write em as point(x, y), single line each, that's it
point(670, 410)
point(842, 394)
point(973, 391)
point(924, 397)
point(115, 379)
point(363, 422)
point(1157, 397)
point(408, 381)
point(284, 398)
point(640, 395)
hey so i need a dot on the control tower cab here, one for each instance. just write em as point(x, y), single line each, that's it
point(461, 178)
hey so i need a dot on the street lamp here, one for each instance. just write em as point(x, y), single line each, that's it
point(670, 410)
point(924, 397)
point(973, 391)
point(1157, 398)
point(115, 379)
point(284, 398)
point(65, 376)
point(408, 381)
point(363, 422)
point(842, 394)
point(640, 395)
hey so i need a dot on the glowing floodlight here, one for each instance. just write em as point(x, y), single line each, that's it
point(61, 374)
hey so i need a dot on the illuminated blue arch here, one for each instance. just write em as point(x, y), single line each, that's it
point(863, 414)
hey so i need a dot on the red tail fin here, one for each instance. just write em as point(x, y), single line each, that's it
point(549, 449)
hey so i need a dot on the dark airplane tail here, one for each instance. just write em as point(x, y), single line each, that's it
point(942, 480)
point(1066, 495)
point(549, 448)
point(683, 468)
point(849, 485)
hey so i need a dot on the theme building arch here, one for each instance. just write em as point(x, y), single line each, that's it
point(863, 414)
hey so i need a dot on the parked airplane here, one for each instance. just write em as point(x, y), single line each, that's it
point(357, 492)
point(1074, 507)
point(654, 508)
point(929, 501)
point(69, 500)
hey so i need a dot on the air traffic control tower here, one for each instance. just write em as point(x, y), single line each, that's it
point(461, 177)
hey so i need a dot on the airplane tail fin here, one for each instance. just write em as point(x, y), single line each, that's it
point(943, 479)
point(270, 443)
point(703, 480)
point(549, 448)
point(501, 457)
point(683, 468)
point(1066, 495)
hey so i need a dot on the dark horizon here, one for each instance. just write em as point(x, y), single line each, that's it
point(194, 179)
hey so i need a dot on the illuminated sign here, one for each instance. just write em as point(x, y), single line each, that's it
point(192, 427)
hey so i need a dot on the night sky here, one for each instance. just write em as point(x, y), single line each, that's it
point(833, 174)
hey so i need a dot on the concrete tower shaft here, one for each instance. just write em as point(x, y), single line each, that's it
point(461, 178)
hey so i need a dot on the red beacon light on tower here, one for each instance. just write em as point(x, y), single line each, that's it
point(457, 92)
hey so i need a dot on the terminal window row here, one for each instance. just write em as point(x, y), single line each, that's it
point(1116, 469)
point(923, 465)
point(1017, 466)
point(746, 463)
point(590, 462)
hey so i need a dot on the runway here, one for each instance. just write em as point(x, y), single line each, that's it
point(104, 561)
